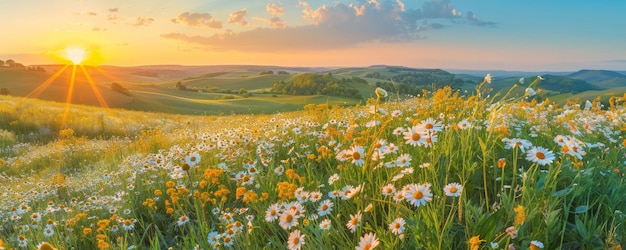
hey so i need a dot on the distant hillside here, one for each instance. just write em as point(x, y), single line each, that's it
point(319, 84)
point(601, 78)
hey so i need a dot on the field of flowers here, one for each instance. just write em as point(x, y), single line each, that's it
point(439, 171)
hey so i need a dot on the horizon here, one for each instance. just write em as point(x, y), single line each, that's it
point(450, 35)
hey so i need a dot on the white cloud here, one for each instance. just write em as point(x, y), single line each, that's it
point(275, 9)
point(238, 17)
point(334, 27)
point(204, 20)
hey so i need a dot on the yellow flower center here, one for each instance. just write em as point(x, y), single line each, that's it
point(540, 155)
point(418, 195)
point(356, 155)
point(453, 190)
point(416, 137)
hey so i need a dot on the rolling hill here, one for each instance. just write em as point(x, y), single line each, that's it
point(214, 89)
point(601, 78)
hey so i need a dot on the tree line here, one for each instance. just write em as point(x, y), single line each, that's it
point(318, 84)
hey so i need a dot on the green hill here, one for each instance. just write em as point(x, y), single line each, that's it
point(601, 78)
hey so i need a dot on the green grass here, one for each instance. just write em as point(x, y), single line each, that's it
point(111, 178)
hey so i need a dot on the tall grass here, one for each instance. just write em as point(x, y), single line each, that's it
point(527, 175)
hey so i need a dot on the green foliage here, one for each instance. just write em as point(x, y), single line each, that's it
point(566, 84)
point(317, 84)
point(266, 72)
point(144, 177)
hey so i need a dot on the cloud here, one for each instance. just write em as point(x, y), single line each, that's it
point(238, 17)
point(97, 29)
point(113, 9)
point(143, 21)
point(335, 27)
point(303, 3)
point(275, 9)
point(92, 13)
point(274, 22)
point(203, 20)
point(439, 9)
point(471, 18)
point(113, 17)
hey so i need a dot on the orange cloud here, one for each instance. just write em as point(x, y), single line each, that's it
point(203, 20)
point(275, 9)
point(238, 17)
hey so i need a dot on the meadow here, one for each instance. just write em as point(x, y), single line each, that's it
point(443, 170)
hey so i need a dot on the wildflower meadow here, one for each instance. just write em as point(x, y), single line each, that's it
point(439, 171)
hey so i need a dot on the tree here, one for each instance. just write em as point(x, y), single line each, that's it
point(5, 91)
point(1, 63)
point(180, 86)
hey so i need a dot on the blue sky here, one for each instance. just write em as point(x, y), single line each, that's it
point(452, 34)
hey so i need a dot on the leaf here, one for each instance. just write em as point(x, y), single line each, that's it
point(581, 209)
point(581, 228)
point(563, 192)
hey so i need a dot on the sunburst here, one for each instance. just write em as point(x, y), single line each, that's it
point(76, 57)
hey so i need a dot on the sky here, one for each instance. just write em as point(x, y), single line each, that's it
point(530, 35)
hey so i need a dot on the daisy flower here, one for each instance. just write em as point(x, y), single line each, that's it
point(535, 245)
point(540, 155)
point(325, 208)
point(464, 124)
point(418, 195)
point(333, 178)
point(35, 217)
point(357, 154)
point(388, 189)
point(279, 170)
point(399, 196)
point(48, 231)
point(192, 159)
point(398, 131)
point(415, 136)
point(325, 224)
point(391, 149)
point(517, 143)
point(213, 237)
point(397, 226)
point(128, 225)
point(288, 219)
point(315, 196)
point(183, 220)
point(367, 242)
point(354, 222)
point(453, 189)
point(431, 125)
point(296, 240)
point(404, 160)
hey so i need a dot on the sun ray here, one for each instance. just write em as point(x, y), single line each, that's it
point(68, 100)
point(106, 74)
point(36, 92)
point(95, 90)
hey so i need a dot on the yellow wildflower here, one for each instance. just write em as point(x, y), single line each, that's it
point(520, 216)
point(474, 242)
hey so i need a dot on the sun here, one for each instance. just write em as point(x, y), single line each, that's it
point(76, 55)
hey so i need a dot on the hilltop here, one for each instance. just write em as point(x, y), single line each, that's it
point(226, 89)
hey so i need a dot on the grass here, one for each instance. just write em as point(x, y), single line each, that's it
point(442, 171)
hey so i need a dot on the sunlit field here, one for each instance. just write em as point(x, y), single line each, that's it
point(439, 171)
